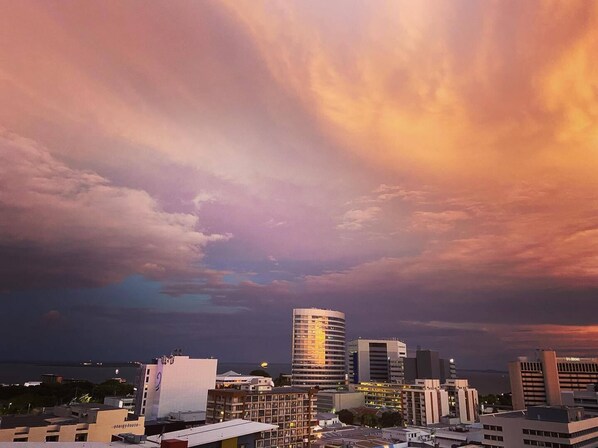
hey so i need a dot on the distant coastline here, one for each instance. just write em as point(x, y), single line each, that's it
point(487, 381)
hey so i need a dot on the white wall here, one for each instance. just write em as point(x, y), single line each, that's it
point(178, 383)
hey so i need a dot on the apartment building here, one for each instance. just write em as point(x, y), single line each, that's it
point(463, 400)
point(424, 402)
point(293, 409)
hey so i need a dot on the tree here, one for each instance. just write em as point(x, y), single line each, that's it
point(111, 388)
point(260, 372)
point(390, 419)
point(282, 380)
point(346, 416)
point(370, 420)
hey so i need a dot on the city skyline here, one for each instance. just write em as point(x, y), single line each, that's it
point(184, 174)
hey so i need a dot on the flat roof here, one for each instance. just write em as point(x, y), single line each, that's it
point(119, 444)
point(274, 390)
point(213, 433)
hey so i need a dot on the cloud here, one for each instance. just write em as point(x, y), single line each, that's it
point(357, 219)
point(64, 227)
point(438, 221)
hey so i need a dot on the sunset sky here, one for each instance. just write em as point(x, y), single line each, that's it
point(184, 173)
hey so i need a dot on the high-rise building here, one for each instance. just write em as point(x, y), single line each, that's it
point(172, 384)
point(318, 348)
point(548, 426)
point(540, 380)
point(376, 360)
point(428, 365)
point(293, 409)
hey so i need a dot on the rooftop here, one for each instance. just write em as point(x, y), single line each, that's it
point(30, 420)
point(213, 433)
point(274, 390)
point(60, 415)
point(557, 414)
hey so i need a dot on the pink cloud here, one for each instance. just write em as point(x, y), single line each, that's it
point(67, 227)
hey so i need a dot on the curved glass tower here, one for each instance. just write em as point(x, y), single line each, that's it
point(318, 348)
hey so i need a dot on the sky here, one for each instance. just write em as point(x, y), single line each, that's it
point(184, 174)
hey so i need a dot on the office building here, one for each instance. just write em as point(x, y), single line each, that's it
point(424, 402)
point(587, 399)
point(172, 384)
point(546, 426)
point(81, 422)
point(463, 401)
point(318, 356)
point(540, 380)
point(427, 364)
point(243, 382)
point(292, 409)
point(386, 396)
point(376, 360)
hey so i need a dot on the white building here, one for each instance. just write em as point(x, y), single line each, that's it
point(127, 403)
point(336, 400)
point(318, 348)
point(463, 400)
point(243, 382)
point(377, 360)
point(547, 426)
point(173, 384)
point(424, 403)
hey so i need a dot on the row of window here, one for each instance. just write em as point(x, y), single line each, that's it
point(54, 438)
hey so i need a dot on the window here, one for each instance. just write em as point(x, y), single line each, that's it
point(20, 439)
point(81, 437)
point(52, 438)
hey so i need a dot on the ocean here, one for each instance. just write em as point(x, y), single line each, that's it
point(486, 382)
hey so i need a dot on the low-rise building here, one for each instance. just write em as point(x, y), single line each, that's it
point(327, 420)
point(357, 437)
point(337, 400)
point(587, 399)
point(381, 395)
point(292, 409)
point(233, 434)
point(92, 422)
point(244, 382)
point(127, 403)
point(546, 426)
point(408, 434)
